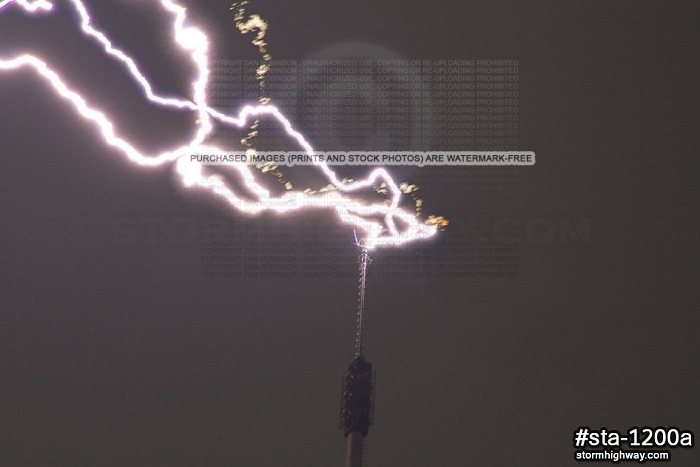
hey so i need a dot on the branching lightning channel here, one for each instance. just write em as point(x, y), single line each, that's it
point(354, 212)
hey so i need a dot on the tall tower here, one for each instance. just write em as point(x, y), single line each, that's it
point(357, 402)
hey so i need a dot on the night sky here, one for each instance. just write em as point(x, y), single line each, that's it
point(124, 355)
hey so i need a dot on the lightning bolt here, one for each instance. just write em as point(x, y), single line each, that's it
point(360, 215)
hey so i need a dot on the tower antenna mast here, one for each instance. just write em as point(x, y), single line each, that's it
point(363, 263)
point(357, 399)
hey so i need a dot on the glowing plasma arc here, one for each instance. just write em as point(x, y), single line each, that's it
point(29, 6)
point(353, 212)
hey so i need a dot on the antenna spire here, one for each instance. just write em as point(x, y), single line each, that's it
point(363, 262)
point(357, 401)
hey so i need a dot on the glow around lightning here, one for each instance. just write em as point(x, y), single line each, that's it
point(356, 213)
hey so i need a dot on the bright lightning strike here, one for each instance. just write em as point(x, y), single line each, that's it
point(29, 6)
point(350, 211)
